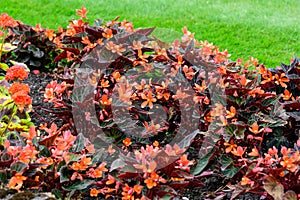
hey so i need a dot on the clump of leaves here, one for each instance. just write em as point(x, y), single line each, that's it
point(34, 46)
point(69, 166)
point(254, 121)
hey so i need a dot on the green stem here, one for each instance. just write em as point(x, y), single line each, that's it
point(10, 120)
point(2, 43)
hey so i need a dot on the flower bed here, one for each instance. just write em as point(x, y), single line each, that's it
point(120, 115)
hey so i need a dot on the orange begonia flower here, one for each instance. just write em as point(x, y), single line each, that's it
point(153, 180)
point(230, 146)
point(76, 166)
point(149, 100)
point(38, 28)
point(262, 69)
point(254, 61)
point(208, 117)
point(117, 76)
point(141, 86)
point(28, 152)
point(246, 181)
point(111, 180)
point(104, 83)
point(46, 161)
point(231, 113)
point(156, 143)
point(188, 72)
point(153, 128)
point(50, 34)
point(268, 77)
point(94, 192)
point(239, 151)
point(108, 33)
point(85, 161)
point(85, 40)
point(127, 193)
point(174, 151)
point(254, 152)
point(16, 181)
point(288, 162)
point(105, 100)
point(127, 142)
point(286, 95)
point(76, 175)
point(111, 150)
point(184, 163)
point(163, 88)
point(138, 188)
point(137, 45)
point(180, 95)
point(57, 41)
point(115, 48)
point(200, 88)
point(49, 94)
point(83, 164)
point(273, 151)
point(98, 172)
point(165, 95)
point(281, 80)
point(256, 91)
point(12, 150)
point(285, 151)
point(255, 128)
point(243, 80)
point(81, 12)
point(142, 56)
point(179, 61)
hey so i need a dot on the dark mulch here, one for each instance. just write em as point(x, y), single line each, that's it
point(37, 85)
point(26, 195)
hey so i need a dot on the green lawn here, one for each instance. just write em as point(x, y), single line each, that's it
point(265, 29)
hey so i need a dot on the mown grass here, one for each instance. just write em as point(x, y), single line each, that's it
point(265, 29)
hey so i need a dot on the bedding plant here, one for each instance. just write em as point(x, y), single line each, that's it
point(95, 134)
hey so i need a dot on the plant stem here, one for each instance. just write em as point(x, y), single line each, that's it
point(10, 120)
point(2, 43)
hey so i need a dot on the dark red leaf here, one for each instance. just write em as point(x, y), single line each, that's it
point(179, 185)
point(96, 32)
point(60, 56)
point(48, 141)
point(128, 175)
point(73, 50)
point(145, 31)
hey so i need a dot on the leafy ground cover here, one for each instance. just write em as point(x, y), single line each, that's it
point(103, 110)
point(267, 30)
